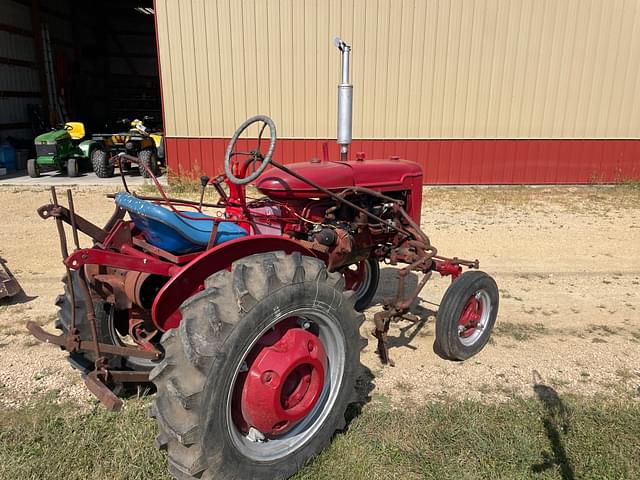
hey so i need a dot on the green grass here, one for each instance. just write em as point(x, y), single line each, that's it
point(519, 331)
point(49, 441)
point(577, 438)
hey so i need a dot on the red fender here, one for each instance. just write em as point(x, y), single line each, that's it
point(165, 312)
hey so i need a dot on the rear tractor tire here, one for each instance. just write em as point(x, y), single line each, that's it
point(33, 169)
point(105, 325)
point(257, 377)
point(466, 315)
point(100, 163)
point(148, 157)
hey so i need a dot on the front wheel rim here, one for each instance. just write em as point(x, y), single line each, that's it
point(474, 318)
point(270, 446)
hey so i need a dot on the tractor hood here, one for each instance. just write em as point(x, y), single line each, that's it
point(381, 175)
point(51, 137)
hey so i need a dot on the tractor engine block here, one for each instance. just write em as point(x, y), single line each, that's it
point(348, 235)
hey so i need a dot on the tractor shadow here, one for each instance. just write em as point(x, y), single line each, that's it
point(388, 284)
point(364, 386)
point(133, 391)
point(556, 424)
point(409, 330)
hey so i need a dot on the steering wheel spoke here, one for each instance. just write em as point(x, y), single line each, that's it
point(253, 165)
point(233, 168)
point(246, 154)
point(264, 125)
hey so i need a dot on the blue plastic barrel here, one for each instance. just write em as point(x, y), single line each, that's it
point(8, 157)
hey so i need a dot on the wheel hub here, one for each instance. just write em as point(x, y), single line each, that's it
point(470, 317)
point(284, 382)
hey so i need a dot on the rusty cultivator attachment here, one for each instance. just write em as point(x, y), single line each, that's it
point(8, 284)
point(97, 378)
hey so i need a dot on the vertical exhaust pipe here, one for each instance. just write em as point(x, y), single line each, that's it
point(345, 102)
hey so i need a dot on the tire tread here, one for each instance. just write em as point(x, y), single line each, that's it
point(100, 164)
point(192, 347)
point(447, 343)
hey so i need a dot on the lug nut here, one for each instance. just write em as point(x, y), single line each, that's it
point(267, 376)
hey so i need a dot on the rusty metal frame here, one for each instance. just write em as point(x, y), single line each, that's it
point(94, 256)
point(62, 214)
point(73, 343)
point(96, 380)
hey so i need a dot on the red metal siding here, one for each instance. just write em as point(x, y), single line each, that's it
point(450, 162)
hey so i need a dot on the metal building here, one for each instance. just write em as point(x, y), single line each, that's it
point(477, 91)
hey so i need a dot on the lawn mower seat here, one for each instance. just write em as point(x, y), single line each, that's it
point(75, 129)
point(165, 229)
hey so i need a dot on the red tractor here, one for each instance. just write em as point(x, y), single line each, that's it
point(247, 320)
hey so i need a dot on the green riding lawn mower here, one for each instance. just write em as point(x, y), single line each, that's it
point(62, 149)
point(139, 141)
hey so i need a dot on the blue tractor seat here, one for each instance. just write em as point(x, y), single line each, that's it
point(165, 229)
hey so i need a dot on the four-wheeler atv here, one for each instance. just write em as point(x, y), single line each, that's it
point(62, 149)
point(246, 317)
point(138, 141)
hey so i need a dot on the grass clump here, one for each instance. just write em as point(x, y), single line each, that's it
point(519, 331)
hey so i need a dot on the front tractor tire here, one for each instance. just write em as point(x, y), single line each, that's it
point(257, 377)
point(101, 164)
point(466, 315)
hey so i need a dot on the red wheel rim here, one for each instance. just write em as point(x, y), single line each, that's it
point(353, 278)
point(284, 378)
point(470, 318)
point(357, 277)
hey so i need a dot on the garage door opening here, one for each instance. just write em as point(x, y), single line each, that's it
point(93, 62)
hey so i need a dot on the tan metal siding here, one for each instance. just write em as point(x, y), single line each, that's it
point(421, 68)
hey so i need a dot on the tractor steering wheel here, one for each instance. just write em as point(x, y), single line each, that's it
point(254, 156)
